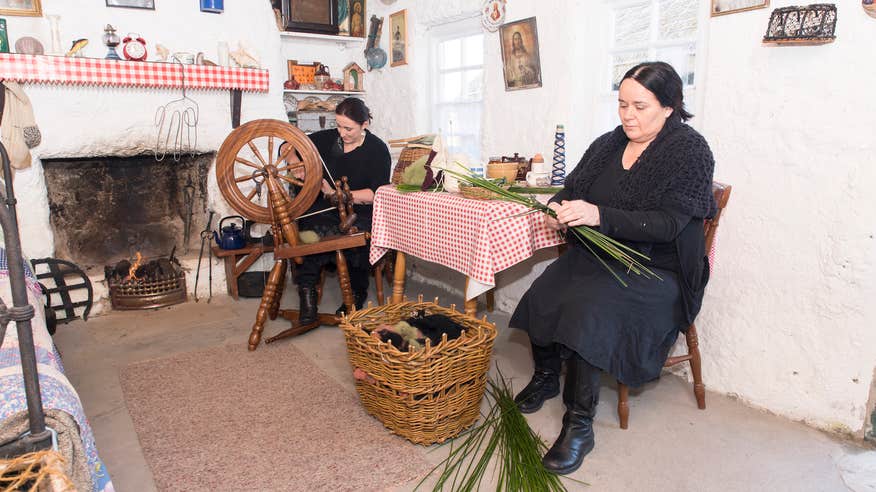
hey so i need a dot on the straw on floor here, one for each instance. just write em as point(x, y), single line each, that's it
point(228, 419)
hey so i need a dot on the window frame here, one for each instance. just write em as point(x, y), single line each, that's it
point(437, 35)
point(693, 93)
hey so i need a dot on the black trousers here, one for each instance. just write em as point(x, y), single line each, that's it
point(307, 274)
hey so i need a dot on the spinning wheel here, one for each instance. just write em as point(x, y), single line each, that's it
point(255, 183)
point(247, 162)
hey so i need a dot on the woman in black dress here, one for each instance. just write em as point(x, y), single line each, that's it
point(352, 151)
point(647, 184)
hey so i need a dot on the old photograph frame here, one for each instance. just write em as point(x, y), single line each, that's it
point(521, 63)
point(724, 7)
point(398, 38)
point(26, 8)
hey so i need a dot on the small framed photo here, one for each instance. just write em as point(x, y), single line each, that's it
point(30, 8)
point(131, 4)
point(398, 29)
point(520, 59)
point(724, 7)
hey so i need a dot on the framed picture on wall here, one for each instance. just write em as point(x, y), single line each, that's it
point(357, 18)
point(398, 35)
point(30, 8)
point(520, 59)
point(131, 4)
point(724, 7)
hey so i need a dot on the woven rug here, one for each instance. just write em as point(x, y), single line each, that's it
point(227, 419)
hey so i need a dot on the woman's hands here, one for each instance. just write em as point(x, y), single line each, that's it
point(575, 213)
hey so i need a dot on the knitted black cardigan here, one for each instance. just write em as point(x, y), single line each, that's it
point(673, 173)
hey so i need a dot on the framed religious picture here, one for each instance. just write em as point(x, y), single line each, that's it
point(520, 60)
point(398, 38)
point(724, 7)
point(131, 4)
point(30, 8)
point(357, 18)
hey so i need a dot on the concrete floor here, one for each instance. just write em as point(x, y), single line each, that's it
point(669, 445)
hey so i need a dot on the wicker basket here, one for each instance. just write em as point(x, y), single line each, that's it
point(507, 170)
point(426, 396)
point(406, 158)
point(476, 192)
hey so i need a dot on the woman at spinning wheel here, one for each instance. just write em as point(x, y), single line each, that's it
point(352, 151)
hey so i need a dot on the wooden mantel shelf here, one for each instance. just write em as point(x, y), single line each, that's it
point(42, 69)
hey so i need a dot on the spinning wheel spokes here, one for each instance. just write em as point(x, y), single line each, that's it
point(242, 169)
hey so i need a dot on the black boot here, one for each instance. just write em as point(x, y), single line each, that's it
point(545, 383)
point(580, 394)
point(307, 305)
point(359, 298)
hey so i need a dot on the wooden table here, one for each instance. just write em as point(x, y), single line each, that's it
point(478, 238)
point(238, 261)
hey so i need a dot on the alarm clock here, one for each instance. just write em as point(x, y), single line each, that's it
point(134, 47)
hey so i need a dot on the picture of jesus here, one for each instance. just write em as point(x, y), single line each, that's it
point(520, 57)
point(357, 18)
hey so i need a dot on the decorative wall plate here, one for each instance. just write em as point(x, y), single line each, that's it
point(493, 14)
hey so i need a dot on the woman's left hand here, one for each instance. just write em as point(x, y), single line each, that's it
point(578, 212)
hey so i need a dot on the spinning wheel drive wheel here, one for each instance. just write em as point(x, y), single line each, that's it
point(248, 163)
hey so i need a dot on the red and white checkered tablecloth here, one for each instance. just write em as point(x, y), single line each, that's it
point(98, 71)
point(475, 237)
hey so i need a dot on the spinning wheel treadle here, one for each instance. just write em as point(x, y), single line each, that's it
point(248, 162)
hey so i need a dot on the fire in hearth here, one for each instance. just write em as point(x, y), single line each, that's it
point(144, 285)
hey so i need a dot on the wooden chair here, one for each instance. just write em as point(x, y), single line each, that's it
point(722, 196)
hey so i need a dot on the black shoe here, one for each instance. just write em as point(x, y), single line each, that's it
point(307, 306)
point(359, 299)
point(576, 440)
point(543, 386)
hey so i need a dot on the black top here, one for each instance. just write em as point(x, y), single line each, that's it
point(366, 166)
point(663, 198)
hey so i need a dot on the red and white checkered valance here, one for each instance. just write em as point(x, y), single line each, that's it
point(95, 71)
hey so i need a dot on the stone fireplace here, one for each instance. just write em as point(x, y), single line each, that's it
point(107, 209)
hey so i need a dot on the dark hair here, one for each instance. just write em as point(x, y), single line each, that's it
point(355, 109)
point(663, 81)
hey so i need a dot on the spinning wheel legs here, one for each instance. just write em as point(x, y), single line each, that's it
point(270, 297)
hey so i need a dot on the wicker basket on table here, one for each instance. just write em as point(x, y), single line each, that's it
point(406, 158)
point(426, 396)
point(476, 192)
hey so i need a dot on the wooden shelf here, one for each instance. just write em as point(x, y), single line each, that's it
point(324, 93)
point(325, 37)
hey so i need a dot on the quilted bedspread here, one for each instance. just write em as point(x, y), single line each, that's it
point(58, 395)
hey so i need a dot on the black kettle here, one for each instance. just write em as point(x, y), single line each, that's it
point(232, 235)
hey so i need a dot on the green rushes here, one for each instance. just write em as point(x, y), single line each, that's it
point(589, 237)
point(504, 434)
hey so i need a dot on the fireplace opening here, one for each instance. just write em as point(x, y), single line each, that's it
point(106, 209)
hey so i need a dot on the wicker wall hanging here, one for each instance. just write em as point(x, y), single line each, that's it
point(812, 24)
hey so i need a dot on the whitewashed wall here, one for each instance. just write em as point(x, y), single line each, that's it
point(787, 323)
point(788, 320)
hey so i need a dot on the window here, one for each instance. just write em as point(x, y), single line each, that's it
point(664, 30)
point(457, 75)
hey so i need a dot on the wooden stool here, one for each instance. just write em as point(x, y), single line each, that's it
point(237, 261)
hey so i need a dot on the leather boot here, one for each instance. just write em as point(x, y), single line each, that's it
point(545, 383)
point(307, 307)
point(359, 298)
point(580, 394)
